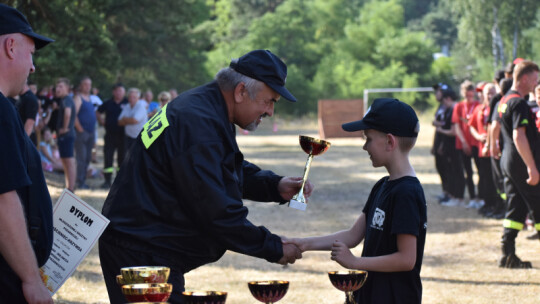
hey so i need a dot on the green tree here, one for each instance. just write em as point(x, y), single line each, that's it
point(493, 28)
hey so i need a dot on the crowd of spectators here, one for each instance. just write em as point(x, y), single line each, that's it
point(491, 118)
point(63, 121)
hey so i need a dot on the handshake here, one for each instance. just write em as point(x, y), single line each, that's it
point(292, 250)
point(339, 251)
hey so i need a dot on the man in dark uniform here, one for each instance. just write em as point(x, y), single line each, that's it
point(28, 107)
point(114, 134)
point(177, 200)
point(519, 160)
point(26, 217)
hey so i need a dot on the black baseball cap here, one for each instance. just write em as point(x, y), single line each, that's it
point(388, 115)
point(442, 86)
point(12, 21)
point(266, 67)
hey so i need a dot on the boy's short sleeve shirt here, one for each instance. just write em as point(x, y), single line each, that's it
point(394, 207)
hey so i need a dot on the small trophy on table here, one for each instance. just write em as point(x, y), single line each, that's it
point(312, 147)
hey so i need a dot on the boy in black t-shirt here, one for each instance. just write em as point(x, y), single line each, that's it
point(393, 222)
point(519, 160)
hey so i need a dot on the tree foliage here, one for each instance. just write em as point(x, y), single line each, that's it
point(333, 48)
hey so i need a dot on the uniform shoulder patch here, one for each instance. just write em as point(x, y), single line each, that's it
point(154, 127)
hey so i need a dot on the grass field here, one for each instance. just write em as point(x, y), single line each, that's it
point(461, 252)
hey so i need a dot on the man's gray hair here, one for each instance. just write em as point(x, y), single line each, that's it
point(134, 90)
point(228, 79)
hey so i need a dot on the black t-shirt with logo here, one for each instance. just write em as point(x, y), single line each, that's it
point(514, 112)
point(394, 207)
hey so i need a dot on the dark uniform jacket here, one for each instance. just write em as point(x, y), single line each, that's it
point(179, 191)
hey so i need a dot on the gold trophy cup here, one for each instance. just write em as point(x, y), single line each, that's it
point(348, 282)
point(312, 147)
point(268, 291)
point(205, 297)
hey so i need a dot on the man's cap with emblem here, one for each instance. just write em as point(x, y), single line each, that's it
point(264, 66)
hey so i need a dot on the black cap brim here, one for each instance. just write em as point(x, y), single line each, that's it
point(39, 40)
point(283, 92)
point(358, 125)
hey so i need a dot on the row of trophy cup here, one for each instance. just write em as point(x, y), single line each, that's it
point(143, 284)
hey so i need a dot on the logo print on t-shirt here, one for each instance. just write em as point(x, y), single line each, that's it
point(378, 219)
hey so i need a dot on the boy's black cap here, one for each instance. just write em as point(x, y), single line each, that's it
point(388, 116)
point(266, 67)
point(12, 21)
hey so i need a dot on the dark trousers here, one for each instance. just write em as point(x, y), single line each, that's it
point(442, 169)
point(521, 197)
point(467, 166)
point(11, 291)
point(129, 141)
point(456, 179)
point(113, 141)
point(84, 142)
point(486, 188)
point(498, 179)
point(113, 256)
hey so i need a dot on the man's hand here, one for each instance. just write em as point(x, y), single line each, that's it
point(290, 254)
point(342, 254)
point(289, 186)
point(534, 177)
point(35, 292)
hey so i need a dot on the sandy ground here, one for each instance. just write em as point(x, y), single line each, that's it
point(461, 252)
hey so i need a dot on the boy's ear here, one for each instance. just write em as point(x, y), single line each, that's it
point(391, 142)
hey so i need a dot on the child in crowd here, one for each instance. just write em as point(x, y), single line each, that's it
point(479, 124)
point(393, 222)
point(50, 158)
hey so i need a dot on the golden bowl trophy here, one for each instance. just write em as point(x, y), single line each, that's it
point(312, 147)
point(268, 291)
point(144, 274)
point(147, 292)
point(205, 297)
point(348, 281)
point(145, 283)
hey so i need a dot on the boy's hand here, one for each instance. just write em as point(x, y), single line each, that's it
point(342, 254)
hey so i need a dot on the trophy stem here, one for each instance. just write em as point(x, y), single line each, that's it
point(299, 201)
point(349, 298)
point(306, 171)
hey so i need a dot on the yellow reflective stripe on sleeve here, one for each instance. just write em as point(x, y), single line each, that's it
point(537, 227)
point(108, 170)
point(154, 127)
point(512, 224)
point(503, 196)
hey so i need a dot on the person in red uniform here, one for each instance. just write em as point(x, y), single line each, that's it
point(479, 125)
point(465, 142)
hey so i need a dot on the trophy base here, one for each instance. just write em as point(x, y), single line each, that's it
point(297, 205)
